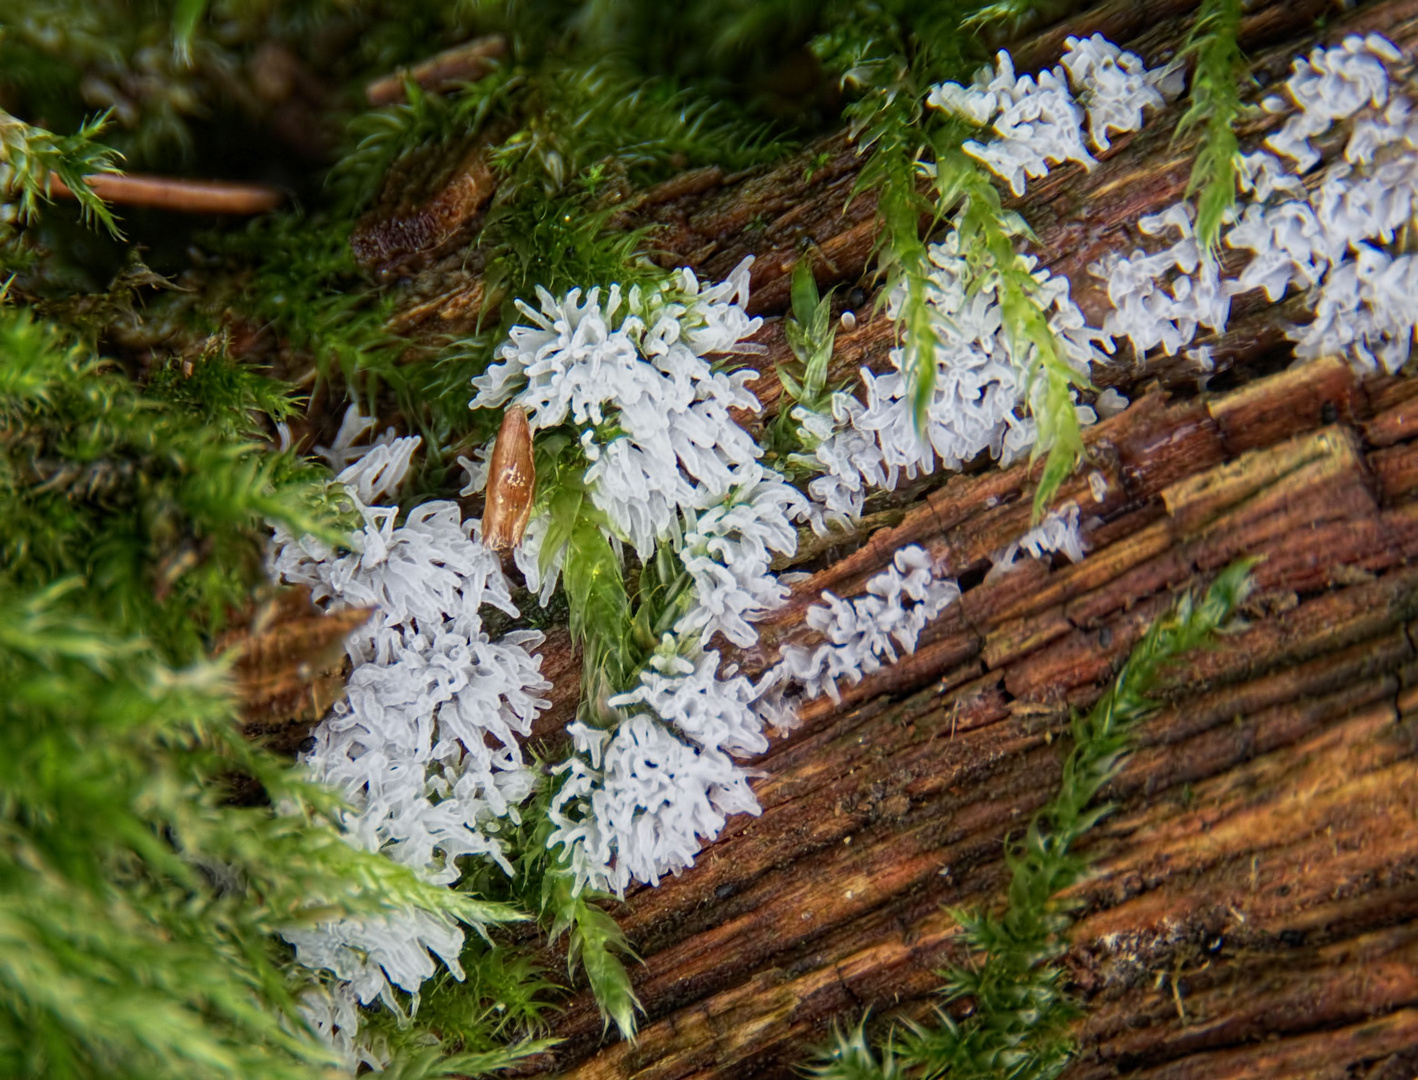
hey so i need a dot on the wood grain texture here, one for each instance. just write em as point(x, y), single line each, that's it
point(288, 662)
point(1267, 835)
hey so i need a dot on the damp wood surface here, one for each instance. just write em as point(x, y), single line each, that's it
point(1077, 216)
point(1257, 887)
point(1253, 910)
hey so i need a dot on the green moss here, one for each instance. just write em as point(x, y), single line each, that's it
point(1215, 108)
point(1018, 1021)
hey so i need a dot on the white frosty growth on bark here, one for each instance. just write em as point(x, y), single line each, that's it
point(1162, 297)
point(630, 374)
point(635, 804)
point(868, 632)
point(333, 1014)
point(1058, 531)
point(424, 746)
point(980, 385)
point(1333, 238)
point(728, 550)
point(980, 379)
point(1336, 239)
point(1036, 121)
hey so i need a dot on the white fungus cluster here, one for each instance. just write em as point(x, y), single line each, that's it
point(1328, 85)
point(632, 379)
point(368, 955)
point(1326, 232)
point(631, 375)
point(1161, 297)
point(1097, 91)
point(667, 461)
point(1058, 531)
point(636, 804)
point(332, 1012)
point(980, 380)
point(1330, 236)
point(1037, 121)
point(424, 744)
point(728, 550)
point(866, 633)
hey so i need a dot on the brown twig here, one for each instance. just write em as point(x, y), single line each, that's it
point(465, 63)
point(184, 196)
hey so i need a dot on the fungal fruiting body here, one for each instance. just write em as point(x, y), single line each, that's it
point(425, 747)
point(625, 375)
point(1333, 239)
point(866, 633)
point(983, 374)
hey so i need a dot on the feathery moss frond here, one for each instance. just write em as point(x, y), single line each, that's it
point(600, 616)
point(379, 137)
point(596, 944)
point(1018, 1023)
point(583, 136)
point(811, 336)
point(1215, 106)
point(849, 1055)
point(434, 1064)
point(886, 123)
point(31, 156)
point(1016, 17)
point(987, 235)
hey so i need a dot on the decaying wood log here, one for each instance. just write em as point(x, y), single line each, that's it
point(1254, 910)
point(709, 220)
point(1260, 880)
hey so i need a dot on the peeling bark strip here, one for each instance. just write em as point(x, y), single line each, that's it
point(288, 665)
point(1265, 855)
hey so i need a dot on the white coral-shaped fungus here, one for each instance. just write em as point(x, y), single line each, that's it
point(631, 374)
point(424, 746)
point(635, 804)
point(1162, 297)
point(981, 372)
point(864, 634)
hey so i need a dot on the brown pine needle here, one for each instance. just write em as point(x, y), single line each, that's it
point(468, 62)
point(182, 196)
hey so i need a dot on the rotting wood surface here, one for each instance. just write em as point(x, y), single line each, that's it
point(1259, 884)
point(1254, 911)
